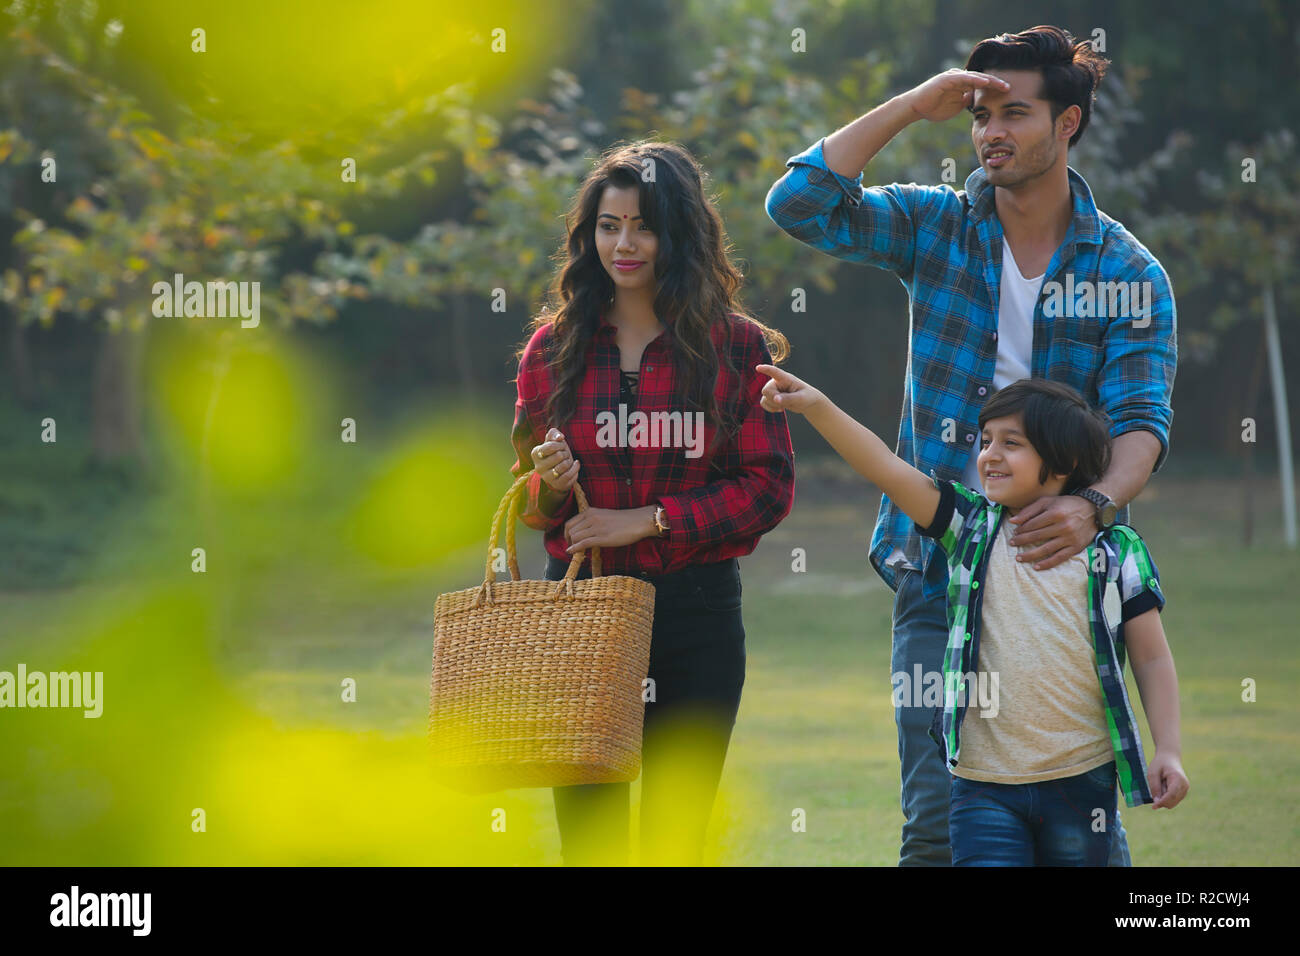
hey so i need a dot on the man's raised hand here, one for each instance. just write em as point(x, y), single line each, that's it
point(943, 96)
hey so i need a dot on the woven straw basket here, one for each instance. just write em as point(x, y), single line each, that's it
point(538, 683)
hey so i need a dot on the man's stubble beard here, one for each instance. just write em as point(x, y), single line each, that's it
point(1035, 164)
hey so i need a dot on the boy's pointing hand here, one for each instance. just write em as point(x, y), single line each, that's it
point(785, 393)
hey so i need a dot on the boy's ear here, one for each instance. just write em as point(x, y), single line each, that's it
point(1065, 477)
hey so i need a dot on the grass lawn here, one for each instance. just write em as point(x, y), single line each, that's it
point(816, 728)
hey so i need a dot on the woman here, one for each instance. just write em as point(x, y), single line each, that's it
point(645, 315)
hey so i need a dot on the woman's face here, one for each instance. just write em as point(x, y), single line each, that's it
point(626, 245)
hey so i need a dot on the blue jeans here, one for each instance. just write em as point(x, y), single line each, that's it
point(1052, 823)
point(920, 636)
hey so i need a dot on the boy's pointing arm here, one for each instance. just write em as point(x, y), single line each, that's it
point(870, 457)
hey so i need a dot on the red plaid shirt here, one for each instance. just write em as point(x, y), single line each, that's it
point(717, 506)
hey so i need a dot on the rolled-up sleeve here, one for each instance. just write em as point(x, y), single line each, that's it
point(757, 491)
point(1139, 578)
point(836, 215)
point(1136, 383)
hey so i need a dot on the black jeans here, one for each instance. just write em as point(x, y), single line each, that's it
point(697, 665)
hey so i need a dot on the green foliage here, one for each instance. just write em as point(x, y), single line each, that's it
point(1244, 233)
point(205, 202)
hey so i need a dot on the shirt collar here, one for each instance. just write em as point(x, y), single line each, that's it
point(1086, 221)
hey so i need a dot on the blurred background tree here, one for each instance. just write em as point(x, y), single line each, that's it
point(1239, 252)
point(470, 139)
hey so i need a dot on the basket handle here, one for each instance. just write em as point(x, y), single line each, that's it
point(509, 509)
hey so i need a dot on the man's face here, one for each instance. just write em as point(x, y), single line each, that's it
point(1012, 130)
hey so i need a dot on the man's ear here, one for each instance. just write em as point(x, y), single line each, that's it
point(1067, 124)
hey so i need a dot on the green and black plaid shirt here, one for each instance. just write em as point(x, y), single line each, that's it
point(1123, 582)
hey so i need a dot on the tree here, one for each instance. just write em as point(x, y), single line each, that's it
point(130, 205)
point(1242, 245)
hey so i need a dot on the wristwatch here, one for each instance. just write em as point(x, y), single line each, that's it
point(1106, 508)
point(661, 522)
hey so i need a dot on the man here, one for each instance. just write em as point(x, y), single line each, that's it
point(1018, 275)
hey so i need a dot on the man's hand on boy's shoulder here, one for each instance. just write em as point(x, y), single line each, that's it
point(1054, 528)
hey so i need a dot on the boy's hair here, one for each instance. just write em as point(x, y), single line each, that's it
point(1071, 436)
point(1071, 71)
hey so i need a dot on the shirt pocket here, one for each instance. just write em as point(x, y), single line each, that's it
point(1078, 331)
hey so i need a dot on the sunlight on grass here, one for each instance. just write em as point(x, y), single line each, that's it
point(222, 691)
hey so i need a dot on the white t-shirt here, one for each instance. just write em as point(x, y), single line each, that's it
point(1037, 712)
point(1016, 299)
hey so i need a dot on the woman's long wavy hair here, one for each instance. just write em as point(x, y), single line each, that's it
point(696, 282)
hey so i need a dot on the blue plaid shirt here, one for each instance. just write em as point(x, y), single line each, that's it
point(946, 249)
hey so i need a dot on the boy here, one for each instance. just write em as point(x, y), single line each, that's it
point(1034, 775)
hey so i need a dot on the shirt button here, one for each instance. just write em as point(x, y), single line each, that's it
point(982, 390)
point(995, 336)
point(975, 585)
point(628, 480)
point(649, 368)
point(970, 437)
point(968, 635)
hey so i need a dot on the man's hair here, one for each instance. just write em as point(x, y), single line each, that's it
point(1071, 436)
point(1071, 71)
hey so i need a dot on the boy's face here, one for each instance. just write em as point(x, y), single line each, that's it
point(1009, 466)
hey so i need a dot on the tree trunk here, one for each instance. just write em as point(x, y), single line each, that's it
point(115, 408)
point(20, 363)
point(460, 343)
point(1282, 417)
point(1248, 447)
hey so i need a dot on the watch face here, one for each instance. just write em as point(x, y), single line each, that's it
point(1108, 513)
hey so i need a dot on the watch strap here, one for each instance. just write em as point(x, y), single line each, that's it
point(1099, 501)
